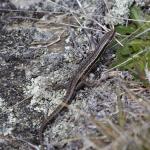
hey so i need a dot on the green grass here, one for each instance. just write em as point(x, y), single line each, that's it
point(136, 43)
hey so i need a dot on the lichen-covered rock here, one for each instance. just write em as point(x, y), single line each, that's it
point(39, 53)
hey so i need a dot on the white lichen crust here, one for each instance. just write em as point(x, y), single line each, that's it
point(118, 12)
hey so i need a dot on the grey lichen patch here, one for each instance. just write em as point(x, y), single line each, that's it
point(6, 129)
point(63, 129)
point(11, 122)
point(24, 4)
point(79, 48)
point(52, 60)
point(143, 2)
point(41, 87)
point(12, 75)
point(2, 104)
point(103, 102)
point(42, 98)
point(118, 12)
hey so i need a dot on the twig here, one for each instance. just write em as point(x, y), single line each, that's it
point(49, 22)
point(13, 138)
point(50, 44)
point(30, 11)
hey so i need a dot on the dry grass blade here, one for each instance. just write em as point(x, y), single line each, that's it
point(146, 104)
point(131, 36)
point(126, 138)
point(96, 141)
point(47, 44)
point(106, 129)
point(80, 5)
point(121, 113)
point(13, 139)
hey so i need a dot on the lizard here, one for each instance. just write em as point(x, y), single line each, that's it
point(76, 81)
